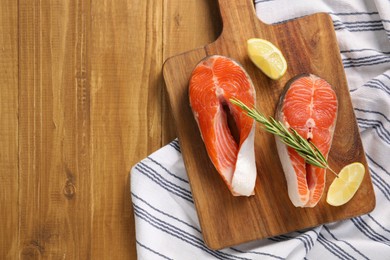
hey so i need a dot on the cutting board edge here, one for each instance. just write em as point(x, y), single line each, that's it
point(169, 59)
point(220, 246)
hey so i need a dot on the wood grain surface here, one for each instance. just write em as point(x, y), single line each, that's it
point(309, 45)
point(82, 100)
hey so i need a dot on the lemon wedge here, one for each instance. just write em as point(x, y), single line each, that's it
point(345, 186)
point(267, 57)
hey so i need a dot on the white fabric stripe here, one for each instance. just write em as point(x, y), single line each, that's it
point(166, 222)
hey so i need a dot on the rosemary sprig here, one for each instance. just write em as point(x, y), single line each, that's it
point(290, 137)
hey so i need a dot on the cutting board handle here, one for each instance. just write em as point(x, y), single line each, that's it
point(243, 11)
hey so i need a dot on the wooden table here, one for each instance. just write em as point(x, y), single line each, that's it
point(82, 100)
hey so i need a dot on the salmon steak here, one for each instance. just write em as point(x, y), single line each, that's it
point(308, 104)
point(227, 132)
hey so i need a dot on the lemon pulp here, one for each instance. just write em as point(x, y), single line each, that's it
point(345, 186)
point(267, 57)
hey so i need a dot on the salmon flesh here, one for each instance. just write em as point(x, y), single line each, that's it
point(308, 104)
point(230, 146)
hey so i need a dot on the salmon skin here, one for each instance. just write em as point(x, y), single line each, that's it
point(214, 81)
point(308, 104)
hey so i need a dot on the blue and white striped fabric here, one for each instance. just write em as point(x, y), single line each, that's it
point(167, 226)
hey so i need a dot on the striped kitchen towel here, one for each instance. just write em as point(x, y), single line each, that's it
point(166, 222)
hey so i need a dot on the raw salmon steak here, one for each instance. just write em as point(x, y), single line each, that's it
point(214, 81)
point(308, 104)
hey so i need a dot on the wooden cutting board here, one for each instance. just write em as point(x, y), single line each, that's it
point(309, 46)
